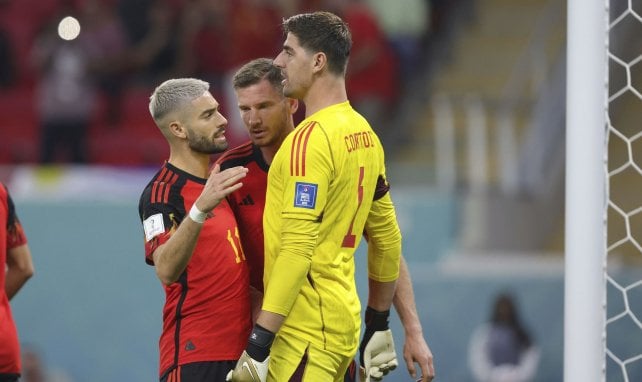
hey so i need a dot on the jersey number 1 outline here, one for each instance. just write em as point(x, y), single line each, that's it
point(350, 239)
point(235, 247)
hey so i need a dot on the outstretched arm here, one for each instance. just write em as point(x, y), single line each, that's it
point(415, 348)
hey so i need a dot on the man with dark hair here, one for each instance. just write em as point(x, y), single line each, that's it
point(326, 185)
point(268, 117)
point(192, 240)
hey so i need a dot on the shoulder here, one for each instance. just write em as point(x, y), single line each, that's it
point(237, 156)
point(161, 188)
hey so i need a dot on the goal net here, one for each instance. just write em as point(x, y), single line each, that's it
point(623, 326)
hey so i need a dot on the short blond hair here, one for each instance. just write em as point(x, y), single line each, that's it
point(172, 94)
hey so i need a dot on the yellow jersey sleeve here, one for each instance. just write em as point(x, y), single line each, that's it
point(384, 240)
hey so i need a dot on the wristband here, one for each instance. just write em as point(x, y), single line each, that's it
point(197, 215)
point(259, 343)
point(376, 320)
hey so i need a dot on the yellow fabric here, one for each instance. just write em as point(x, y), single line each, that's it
point(321, 365)
point(384, 240)
point(323, 180)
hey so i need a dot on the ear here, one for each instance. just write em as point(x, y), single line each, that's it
point(294, 105)
point(319, 61)
point(177, 129)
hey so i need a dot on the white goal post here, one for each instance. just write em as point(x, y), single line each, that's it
point(585, 240)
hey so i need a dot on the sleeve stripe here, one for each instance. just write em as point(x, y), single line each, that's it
point(299, 145)
point(167, 188)
point(162, 184)
point(155, 185)
point(305, 146)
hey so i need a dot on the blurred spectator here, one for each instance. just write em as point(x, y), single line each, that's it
point(405, 24)
point(502, 350)
point(152, 30)
point(255, 29)
point(7, 64)
point(66, 92)
point(205, 42)
point(104, 29)
point(34, 369)
point(371, 80)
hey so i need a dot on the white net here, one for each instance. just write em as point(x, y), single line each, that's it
point(624, 215)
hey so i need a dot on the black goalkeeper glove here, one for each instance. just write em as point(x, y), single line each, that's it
point(377, 348)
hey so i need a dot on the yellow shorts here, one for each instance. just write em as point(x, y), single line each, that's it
point(296, 360)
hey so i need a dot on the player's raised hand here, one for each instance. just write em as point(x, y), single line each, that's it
point(377, 348)
point(219, 185)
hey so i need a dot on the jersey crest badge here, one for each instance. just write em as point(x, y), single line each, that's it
point(305, 195)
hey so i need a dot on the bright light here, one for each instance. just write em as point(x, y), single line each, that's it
point(69, 28)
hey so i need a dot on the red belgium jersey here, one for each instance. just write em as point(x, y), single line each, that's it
point(248, 203)
point(206, 316)
point(11, 236)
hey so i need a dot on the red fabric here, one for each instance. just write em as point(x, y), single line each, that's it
point(256, 32)
point(207, 311)
point(380, 76)
point(11, 236)
point(248, 203)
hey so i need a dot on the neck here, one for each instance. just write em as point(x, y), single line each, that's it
point(197, 164)
point(268, 152)
point(325, 91)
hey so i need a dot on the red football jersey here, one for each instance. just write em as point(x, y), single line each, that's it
point(248, 203)
point(206, 316)
point(11, 236)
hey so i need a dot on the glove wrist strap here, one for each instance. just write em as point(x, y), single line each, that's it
point(376, 320)
point(259, 343)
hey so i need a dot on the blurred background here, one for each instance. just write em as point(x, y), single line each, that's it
point(468, 97)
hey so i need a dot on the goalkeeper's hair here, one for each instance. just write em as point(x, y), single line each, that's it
point(255, 71)
point(322, 32)
point(172, 94)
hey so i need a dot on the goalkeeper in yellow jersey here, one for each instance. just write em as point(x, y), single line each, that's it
point(326, 187)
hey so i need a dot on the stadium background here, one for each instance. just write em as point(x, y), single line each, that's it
point(472, 228)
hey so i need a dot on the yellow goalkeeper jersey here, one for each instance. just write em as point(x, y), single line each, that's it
point(326, 186)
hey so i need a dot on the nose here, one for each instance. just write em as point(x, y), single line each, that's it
point(222, 123)
point(278, 62)
point(254, 118)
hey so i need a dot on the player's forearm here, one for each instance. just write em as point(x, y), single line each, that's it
point(270, 321)
point(20, 269)
point(172, 258)
point(404, 302)
point(381, 294)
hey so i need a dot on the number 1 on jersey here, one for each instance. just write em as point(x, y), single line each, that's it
point(350, 239)
point(238, 249)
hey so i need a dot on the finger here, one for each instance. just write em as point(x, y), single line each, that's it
point(428, 372)
point(410, 361)
point(227, 177)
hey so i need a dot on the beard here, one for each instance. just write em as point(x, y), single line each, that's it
point(204, 145)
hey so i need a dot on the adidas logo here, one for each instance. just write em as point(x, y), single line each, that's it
point(247, 201)
point(189, 346)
